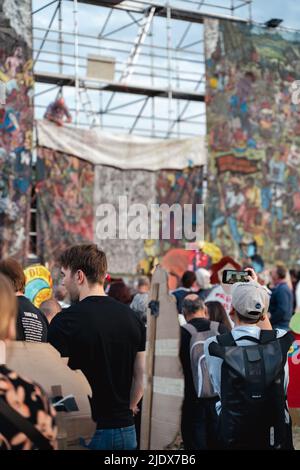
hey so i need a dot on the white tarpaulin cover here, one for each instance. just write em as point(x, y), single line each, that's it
point(122, 151)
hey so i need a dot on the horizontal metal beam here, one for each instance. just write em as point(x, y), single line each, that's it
point(103, 3)
point(68, 80)
point(176, 13)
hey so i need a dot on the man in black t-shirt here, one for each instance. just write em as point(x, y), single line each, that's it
point(106, 340)
point(31, 324)
point(198, 420)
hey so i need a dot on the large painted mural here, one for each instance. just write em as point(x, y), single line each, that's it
point(138, 186)
point(254, 140)
point(178, 187)
point(71, 197)
point(16, 121)
point(65, 188)
point(147, 188)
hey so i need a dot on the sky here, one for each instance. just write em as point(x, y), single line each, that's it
point(186, 67)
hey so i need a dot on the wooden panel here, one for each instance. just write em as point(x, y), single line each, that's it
point(162, 411)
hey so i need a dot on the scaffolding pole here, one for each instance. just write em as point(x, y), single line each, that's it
point(76, 61)
point(46, 34)
point(60, 37)
point(169, 45)
point(152, 82)
point(168, 66)
point(250, 11)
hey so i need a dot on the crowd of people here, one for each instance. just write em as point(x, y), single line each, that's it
point(234, 360)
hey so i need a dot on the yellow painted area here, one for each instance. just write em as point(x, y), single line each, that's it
point(38, 273)
point(3, 77)
point(213, 82)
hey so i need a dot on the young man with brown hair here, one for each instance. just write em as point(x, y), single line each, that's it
point(31, 324)
point(106, 340)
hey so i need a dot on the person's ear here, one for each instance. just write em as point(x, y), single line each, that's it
point(80, 277)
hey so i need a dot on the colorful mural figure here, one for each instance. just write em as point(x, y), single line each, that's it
point(39, 284)
point(64, 203)
point(173, 187)
point(13, 63)
point(178, 187)
point(254, 140)
point(16, 121)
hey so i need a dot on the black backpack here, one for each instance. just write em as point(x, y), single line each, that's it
point(253, 413)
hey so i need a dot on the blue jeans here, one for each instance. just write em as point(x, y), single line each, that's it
point(114, 439)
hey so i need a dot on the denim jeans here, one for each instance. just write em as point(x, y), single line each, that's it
point(114, 439)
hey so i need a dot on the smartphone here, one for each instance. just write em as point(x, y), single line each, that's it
point(230, 276)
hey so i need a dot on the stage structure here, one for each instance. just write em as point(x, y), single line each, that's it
point(81, 171)
point(148, 57)
point(151, 81)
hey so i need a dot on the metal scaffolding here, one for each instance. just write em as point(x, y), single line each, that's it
point(158, 51)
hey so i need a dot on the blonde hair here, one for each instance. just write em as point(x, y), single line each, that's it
point(8, 306)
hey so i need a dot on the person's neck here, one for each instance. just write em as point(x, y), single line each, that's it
point(280, 281)
point(19, 293)
point(241, 323)
point(197, 315)
point(97, 290)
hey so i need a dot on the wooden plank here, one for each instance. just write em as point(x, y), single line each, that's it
point(150, 359)
point(164, 381)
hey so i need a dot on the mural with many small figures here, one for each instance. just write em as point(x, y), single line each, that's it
point(254, 139)
point(178, 187)
point(138, 186)
point(16, 122)
point(65, 188)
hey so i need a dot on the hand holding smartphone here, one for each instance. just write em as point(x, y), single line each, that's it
point(231, 276)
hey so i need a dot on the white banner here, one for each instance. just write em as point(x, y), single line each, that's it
point(123, 151)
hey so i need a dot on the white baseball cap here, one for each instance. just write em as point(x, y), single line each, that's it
point(250, 299)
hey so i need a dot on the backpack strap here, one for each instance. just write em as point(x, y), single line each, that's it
point(214, 327)
point(24, 425)
point(285, 342)
point(249, 338)
point(266, 336)
point(226, 340)
point(215, 349)
point(190, 328)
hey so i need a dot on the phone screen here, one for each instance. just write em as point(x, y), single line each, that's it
point(230, 276)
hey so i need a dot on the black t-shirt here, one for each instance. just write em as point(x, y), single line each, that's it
point(32, 325)
point(202, 324)
point(101, 337)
